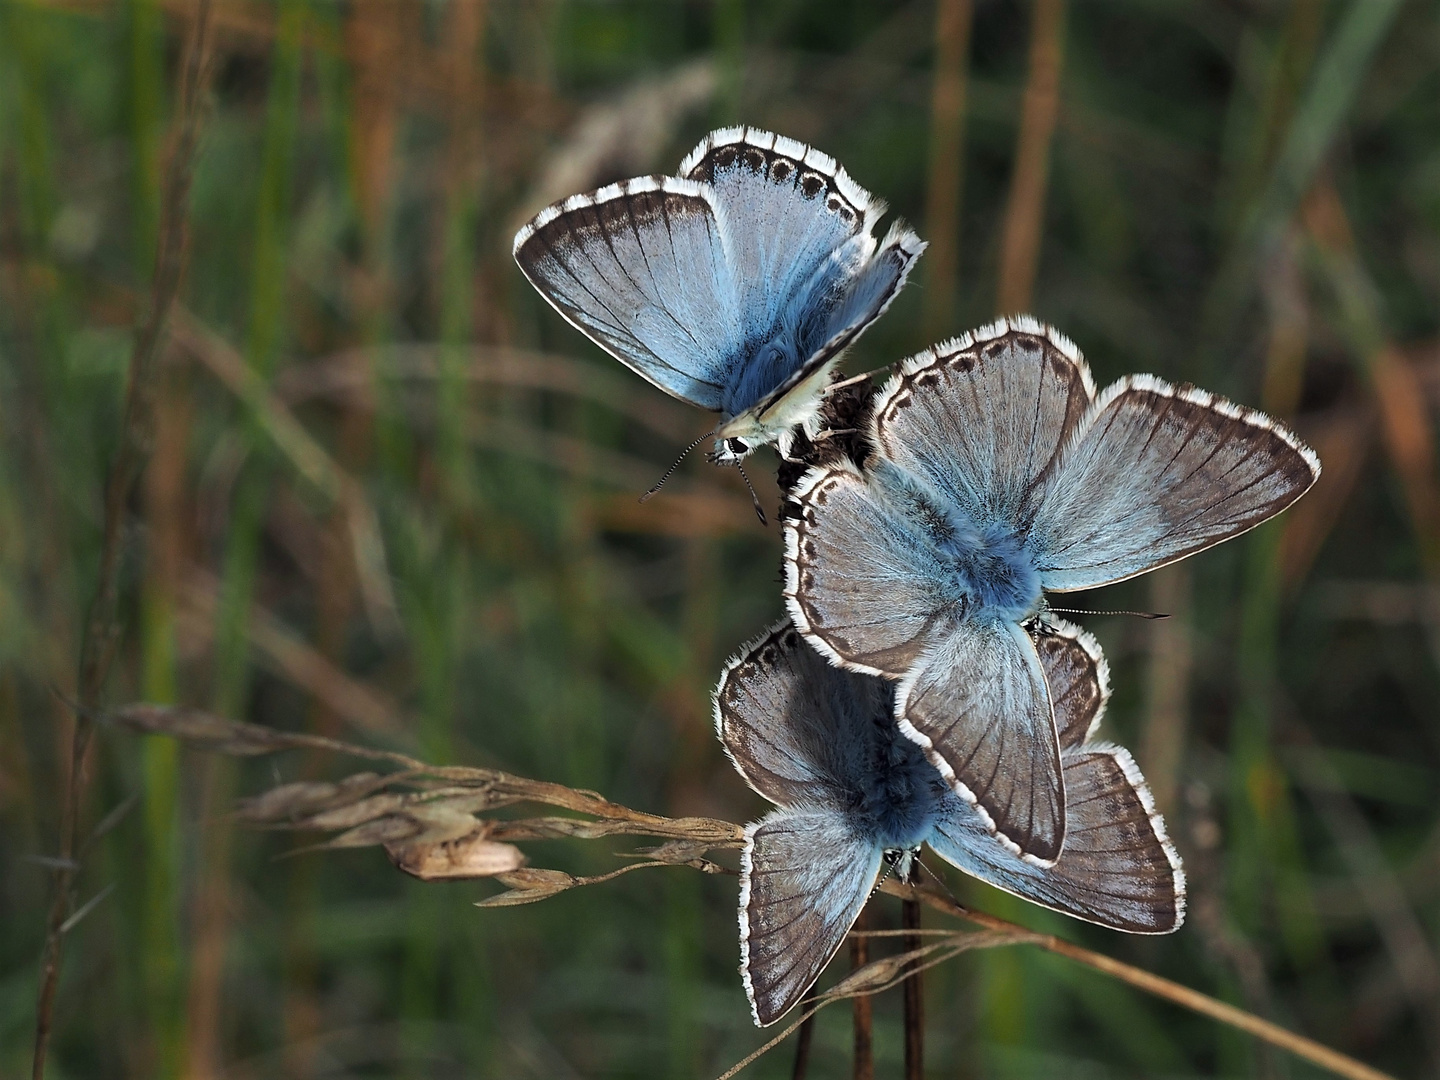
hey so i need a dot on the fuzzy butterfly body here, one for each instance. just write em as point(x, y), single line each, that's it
point(997, 474)
point(735, 286)
point(822, 745)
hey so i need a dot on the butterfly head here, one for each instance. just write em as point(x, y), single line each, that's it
point(902, 863)
point(732, 450)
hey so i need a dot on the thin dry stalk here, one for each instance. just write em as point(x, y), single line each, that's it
point(102, 628)
point(945, 184)
point(435, 805)
point(914, 995)
point(881, 975)
point(1025, 214)
point(803, 1041)
point(1306, 1049)
point(863, 1007)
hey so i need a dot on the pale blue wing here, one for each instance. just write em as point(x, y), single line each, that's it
point(1078, 679)
point(798, 234)
point(798, 730)
point(640, 268)
point(804, 877)
point(1118, 868)
point(979, 705)
point(978, 419)
point(1155, 473)
point(862, 581)
point(793, 218)
point(862, 301)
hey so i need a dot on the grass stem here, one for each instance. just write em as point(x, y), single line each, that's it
point(102, 626)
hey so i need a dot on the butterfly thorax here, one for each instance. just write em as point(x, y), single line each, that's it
point(992, 566)
point(982, 565)
point(746, 425)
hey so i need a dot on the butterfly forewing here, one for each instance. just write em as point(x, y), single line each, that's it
point(640, 268)
point(793, 726)
point(980, 418)
point(979, 704)
point(1118, 868)
point(858, 576)
point(786, 208)
point(1155, 474)
point(1078, 678)
point(804, 876)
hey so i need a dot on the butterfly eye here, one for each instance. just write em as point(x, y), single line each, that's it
point(738, 447)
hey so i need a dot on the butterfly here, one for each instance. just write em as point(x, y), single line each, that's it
point(821, 743)
point(735, 286)
point(997, 474)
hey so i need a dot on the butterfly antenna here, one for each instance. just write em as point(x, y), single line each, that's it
point(759, 510)
point(938, 881)
point(889, 867)
point(1086, 611)
point(671, 470)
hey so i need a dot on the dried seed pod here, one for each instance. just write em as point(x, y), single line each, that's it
point(345, 817)
point(391, 829)
point(527, 885)
point(473, 856)
point(291, 802)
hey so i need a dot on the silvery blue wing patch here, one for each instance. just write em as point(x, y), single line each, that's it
point(735, 286)
point(821, 743)
point(996, 475)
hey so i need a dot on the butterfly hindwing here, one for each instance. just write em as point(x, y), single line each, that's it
point(978, 703)
point(798, 233)
point(1155, 473)
point(864, 300)
point(1118, 868)
point(793, 218)
point(1078, 678)
point(641, 269)
point(804, 877)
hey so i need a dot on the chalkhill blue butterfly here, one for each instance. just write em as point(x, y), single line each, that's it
point(735, 286)
point(995, 474)
point(821, 743)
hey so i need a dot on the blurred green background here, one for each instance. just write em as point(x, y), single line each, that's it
point(393, 498)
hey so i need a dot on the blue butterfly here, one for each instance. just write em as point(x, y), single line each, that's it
point(735, 286)
point(997, 475)
point(822, 744)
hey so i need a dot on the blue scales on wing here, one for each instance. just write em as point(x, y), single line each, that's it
point(735, 286)
point(821, 743)
point(640, 268)
point(997, 474)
